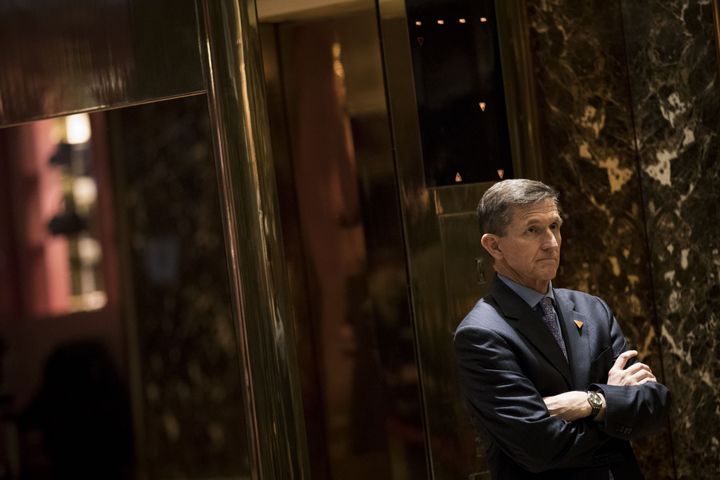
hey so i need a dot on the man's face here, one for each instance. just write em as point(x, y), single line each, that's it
point(529, 250)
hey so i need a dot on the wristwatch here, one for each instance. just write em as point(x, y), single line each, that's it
point(596, 403)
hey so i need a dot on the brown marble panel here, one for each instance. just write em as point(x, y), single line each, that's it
point(674, 72)
point(585, 119)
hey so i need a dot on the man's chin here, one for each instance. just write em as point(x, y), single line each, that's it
point(550, 275)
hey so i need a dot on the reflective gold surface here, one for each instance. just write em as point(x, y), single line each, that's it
point(344, 246)
point(61, 57)
point(447, 268)
point(716, 21)
point(519, 87)
point(256, 260)
point(184, 361)
point(448, 433)
point(277, 11)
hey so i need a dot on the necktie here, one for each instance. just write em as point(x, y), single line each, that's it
point(551, 322)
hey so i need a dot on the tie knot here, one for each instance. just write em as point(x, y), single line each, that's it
point(546, 306)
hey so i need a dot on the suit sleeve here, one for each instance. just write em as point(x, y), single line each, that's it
point(512, 411)
point(632, 411)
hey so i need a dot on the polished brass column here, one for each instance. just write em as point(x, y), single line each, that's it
point(233, 73)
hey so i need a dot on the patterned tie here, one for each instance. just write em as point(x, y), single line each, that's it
point(551, 322)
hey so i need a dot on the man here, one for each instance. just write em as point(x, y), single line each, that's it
point(548, 376)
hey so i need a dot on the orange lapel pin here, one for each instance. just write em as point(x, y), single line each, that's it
point(579, 324)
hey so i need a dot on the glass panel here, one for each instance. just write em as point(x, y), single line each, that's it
point(147, 385)
point(460, 94)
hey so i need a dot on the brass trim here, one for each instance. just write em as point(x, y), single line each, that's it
point(99, 108)
point(520, 98)
point(716, 23)
point(234, 77)
point(405, 128)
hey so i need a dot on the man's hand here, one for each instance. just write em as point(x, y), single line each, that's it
point(636, 374)
point(569, 405)
point(574, 405)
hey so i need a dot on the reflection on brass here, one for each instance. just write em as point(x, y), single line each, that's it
point(62, 57)
point(445, 262)
point(519, 87)
point(716, 19)
point(288, 10)
point(256, 260)
point(176, 302)
point(448, 433)
point(480, 270)
point(461, 251)
point(344, 248)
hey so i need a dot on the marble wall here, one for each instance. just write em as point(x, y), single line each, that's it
point(673, 73)
point(627, 105)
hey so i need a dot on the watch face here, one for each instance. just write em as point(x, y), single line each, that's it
point(594, 400)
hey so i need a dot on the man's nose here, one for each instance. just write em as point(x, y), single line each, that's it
point(550, 240)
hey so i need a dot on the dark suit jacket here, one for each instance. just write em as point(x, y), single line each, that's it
point(508, 361)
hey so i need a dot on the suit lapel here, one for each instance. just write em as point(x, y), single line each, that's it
point(530, 325)
point(576, 333)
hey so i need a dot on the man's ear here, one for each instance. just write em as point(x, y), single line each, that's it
point(489, 242)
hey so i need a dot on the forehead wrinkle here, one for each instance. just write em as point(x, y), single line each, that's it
point(537, 215)
point(523, 215)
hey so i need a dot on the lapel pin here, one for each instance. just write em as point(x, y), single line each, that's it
point(579, 324)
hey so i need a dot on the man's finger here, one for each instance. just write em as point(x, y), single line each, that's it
point(623, 359)
point(638, 378)
point(636, 367)
point(644, 374)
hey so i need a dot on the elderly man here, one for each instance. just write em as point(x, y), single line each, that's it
point(551, 384)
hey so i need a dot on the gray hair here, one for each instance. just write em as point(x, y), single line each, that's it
point(496, 206)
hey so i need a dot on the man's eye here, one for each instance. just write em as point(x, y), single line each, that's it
point(532, 230)
point(555, 226)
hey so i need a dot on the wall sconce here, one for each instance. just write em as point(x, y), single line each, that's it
point(67, 223)
point(70, 155)
point(77, 128)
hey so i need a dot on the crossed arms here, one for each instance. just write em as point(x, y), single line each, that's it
point(553, 432)
point(573, 405)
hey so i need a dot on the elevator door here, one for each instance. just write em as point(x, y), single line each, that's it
point(343, 241)
point(384, 261)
